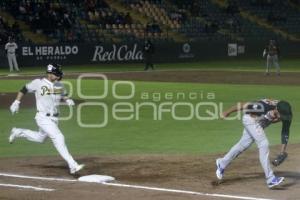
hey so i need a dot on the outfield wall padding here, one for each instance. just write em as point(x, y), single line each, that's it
point(165, 52)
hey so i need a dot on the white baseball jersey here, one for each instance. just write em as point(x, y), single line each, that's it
point(11, 47)
point(48, 95)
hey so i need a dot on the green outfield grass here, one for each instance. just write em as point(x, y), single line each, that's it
point(229, 64)
point(146, 135)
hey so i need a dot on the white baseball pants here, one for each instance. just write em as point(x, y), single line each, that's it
point(273, 60)
point(253, 132)
point(12, 61)
point(48, 128)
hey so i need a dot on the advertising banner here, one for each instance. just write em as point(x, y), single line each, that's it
point(165, 52)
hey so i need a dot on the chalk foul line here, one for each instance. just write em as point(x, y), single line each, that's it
point(38, 177)
point(138, 187)
point(26, 187)
point(184, 191)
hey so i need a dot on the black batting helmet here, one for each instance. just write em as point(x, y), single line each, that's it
point(55, 69)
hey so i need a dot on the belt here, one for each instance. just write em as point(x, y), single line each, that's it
point(49, 114)
point(53, 115)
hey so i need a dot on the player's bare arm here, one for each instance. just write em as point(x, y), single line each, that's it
point(283, 148)
point(275, 116)
point(238, 107)
point(20, 96)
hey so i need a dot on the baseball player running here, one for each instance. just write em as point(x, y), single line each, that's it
point(48, 93)
point(272, 51)
point(10, 48)
point(259, 115)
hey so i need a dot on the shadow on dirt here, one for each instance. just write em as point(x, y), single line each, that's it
point(291, 179)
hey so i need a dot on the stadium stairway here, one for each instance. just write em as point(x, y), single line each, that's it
point(259, 21)
point(37, 38)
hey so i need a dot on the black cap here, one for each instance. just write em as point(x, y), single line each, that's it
point(285, 110)
point(55, 69)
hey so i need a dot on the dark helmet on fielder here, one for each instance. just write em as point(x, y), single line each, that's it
point(55, 69)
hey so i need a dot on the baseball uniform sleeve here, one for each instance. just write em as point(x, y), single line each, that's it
point(33, 85)
point(61, 87)
point(64, 92)
point(285, 131)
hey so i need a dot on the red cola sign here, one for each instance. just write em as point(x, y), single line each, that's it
point(117, 53)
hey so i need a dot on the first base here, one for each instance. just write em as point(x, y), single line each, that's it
point(94, 178)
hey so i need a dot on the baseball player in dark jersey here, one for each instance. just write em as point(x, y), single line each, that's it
point(272, 52)
point(148, 55)
point(259, 115)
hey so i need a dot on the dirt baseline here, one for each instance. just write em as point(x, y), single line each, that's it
point(193, 173)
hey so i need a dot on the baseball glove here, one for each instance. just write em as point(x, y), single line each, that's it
point(279, 159)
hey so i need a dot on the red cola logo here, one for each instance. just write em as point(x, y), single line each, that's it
point(121, 53)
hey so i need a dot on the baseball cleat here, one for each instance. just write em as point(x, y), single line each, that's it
point(275, 182)
point(77, 169)
point(220, 170)
point(13, 134)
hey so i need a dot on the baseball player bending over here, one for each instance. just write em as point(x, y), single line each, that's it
point(259, 115)
point(48, 93)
